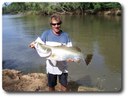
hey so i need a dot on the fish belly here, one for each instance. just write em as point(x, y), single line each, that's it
point(63, 56)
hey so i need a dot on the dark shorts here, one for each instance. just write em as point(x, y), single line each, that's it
point(52, 79)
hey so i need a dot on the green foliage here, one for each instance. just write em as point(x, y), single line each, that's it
point(49, 8)
point(111, 6)
point(97, 6)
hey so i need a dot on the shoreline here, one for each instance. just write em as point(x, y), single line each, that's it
point(112, 12)
point(16, 81)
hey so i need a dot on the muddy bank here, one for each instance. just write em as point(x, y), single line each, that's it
point(16, 81)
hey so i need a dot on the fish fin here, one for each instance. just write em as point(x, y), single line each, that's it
point(88, 58)
point(52, 56)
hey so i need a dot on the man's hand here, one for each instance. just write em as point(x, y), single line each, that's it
point(72, 60)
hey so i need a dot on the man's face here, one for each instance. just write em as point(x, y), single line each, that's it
point(56, 24)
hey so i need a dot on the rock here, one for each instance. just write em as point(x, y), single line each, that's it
point(88, 89)
point(118, 12)
point(16, 81)
point(107, 13)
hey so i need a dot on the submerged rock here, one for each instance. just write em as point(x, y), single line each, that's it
point(89, 89)
point(16, 81)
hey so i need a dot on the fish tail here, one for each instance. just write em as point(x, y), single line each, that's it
point(88, 58)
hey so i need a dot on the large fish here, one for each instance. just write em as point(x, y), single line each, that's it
point(62, 53)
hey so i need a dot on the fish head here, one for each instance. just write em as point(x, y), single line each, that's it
point(44, 50)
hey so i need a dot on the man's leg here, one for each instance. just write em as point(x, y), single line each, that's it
point(52, 81)
point(51, 89)
point(63, 81)
point(64, 88)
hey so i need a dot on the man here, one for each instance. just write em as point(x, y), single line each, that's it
point(56, 69)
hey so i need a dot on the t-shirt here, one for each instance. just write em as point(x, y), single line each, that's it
point(51, 39)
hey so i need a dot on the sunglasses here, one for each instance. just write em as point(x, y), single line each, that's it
point(55, 23)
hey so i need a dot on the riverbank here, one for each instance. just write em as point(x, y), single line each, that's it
point(16, 81)
point(69, 8)
point(112, 12)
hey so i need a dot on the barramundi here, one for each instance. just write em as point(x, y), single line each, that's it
point(62, 53)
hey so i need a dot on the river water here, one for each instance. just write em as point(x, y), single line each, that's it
point(98, 35)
